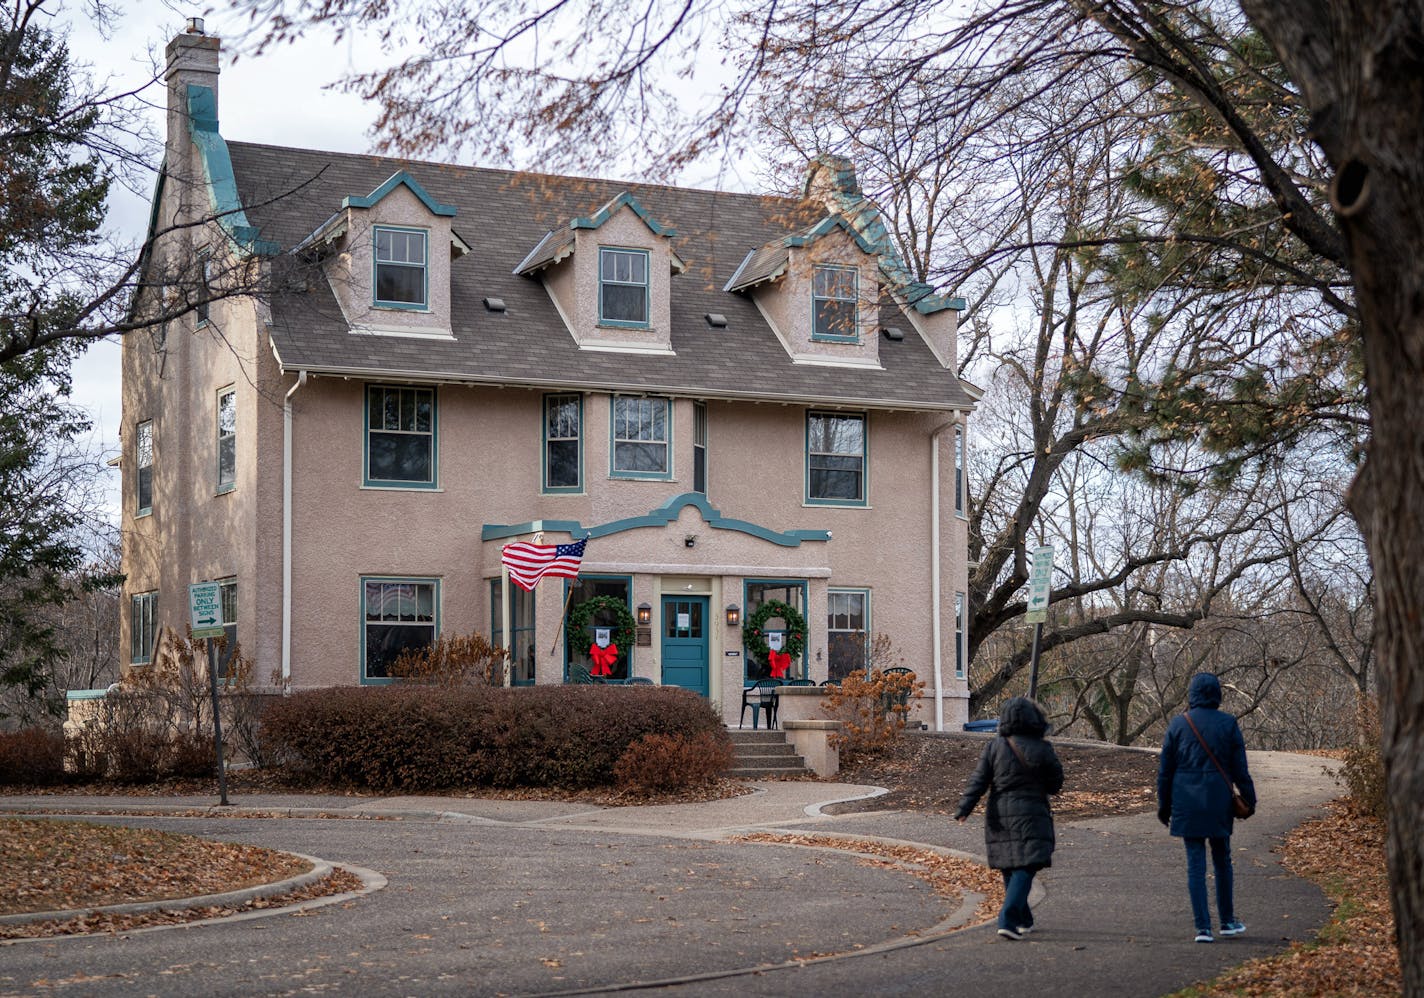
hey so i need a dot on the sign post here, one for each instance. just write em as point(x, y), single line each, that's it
point(205, 620)
point(1039, 584)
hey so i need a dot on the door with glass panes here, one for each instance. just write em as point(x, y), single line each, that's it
point(684, 643)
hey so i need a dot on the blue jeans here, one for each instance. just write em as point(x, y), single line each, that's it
point(1196, 880)
point(1015, 913)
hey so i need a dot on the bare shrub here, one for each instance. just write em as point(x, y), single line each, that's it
point(672, 762)
point(32, 756)
point(457, 660)
point(1362, 772)
point(872, 704)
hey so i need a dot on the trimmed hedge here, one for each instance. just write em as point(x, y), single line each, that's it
point(31, 757)
point(424, 738)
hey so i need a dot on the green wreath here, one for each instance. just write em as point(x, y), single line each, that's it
point(581, 616)
point(754, 634)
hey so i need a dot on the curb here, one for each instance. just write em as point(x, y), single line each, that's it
point(320, 870)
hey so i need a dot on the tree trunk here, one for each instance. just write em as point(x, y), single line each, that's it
point(1360, 67)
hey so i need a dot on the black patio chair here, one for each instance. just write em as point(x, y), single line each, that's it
point(759, 696)
point(640, 681)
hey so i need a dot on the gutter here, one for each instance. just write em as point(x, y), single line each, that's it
point(935, 595)
point(287, 529)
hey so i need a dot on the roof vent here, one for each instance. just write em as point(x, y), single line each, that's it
point(892, 333)
point(494, 304)
point(716, 320)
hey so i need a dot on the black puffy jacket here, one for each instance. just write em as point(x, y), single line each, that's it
point(1018, 822)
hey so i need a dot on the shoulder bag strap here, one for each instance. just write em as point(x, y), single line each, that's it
point(1019, 755)
point(1208, 751)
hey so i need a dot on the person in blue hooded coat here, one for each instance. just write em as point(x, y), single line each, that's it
point(1019, 769)
point(1194, 798)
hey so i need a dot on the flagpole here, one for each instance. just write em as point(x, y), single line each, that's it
point(562, 616)
point(504, 619)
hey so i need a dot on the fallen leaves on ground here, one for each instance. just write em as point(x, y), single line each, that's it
point(1354, 955)
point(54, 865)
point(951, 877)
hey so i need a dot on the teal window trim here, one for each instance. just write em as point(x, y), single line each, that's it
point(227, 604)
point(143, 461)
point(748, 610)
point(417, 580)
point(864, 499)
point(959, 471)
point(569, 584)
point(517, 628)
point(699, 447)
point(828, 337)
point(545, 440)
point(865, 610)
point(143, 630)
point(646, 285)
point(961, 634)
point(613, 440)
point(227, 436)
point(395, 483)
point(424, 304)
point(202, 308)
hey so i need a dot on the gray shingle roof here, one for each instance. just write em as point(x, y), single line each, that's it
point(504, 215)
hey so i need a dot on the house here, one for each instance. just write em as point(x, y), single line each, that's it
point(733, 399)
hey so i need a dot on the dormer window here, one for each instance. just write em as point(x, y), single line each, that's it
point(623, 287)
point(401, 277)
point(834, 303)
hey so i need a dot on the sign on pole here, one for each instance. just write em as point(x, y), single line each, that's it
point(1040, 579)
point(205, 610)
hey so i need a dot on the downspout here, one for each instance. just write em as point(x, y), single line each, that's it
point(935, 595)
point(287, 530)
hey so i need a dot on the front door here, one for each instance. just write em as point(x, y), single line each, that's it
point(685, 643)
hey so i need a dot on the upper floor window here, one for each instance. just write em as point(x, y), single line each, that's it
point(142, 630)
point(623, 287)
point(400, 436)
point(227, 439)
point(834, 302)
point(205, 287)
point(959, 471)
point(699, 447)
point(401, 278)
point(640, 437)
point(397, 615)
point(563, 443)
point(143, 479)
point(835, 458)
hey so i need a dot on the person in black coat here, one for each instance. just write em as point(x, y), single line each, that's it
point(1019, 769)
point(1194, 797)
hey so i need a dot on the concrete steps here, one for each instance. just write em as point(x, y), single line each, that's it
point(760, 754)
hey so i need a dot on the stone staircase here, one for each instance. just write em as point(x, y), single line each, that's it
point(759, 754)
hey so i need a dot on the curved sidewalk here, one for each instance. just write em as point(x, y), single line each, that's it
point(1113, 917)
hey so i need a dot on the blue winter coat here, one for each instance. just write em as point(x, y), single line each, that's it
point(1018, 823)
point(1190, 789)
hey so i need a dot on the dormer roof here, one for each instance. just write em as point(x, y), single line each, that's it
point(335, 227)
point(398, 179)
point(559, 242)
point(769, 262)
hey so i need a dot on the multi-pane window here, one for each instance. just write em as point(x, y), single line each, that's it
point(400, 436)
point(577, 660)
point(958, 470)
point(205, 287)
point(227, 606)
point(227, 439)
point(833, 302)
point(143, 477)
point(397, 614)
point(835, 457)
point(400, 267)
point(623, 287)
point(846, 631)
point(960, 633)
point(793, 594)
point(521, 629)
point(563, 443)
point(142, 629)
point(699, 447)
point(640, 437)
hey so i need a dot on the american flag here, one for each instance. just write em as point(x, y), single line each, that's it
point(528, 563)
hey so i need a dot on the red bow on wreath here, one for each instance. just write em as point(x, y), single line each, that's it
point(603, 659)
point(780, 663)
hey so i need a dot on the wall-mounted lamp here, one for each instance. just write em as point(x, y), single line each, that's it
point(689, 540)
point(734, 615)
point(645, 613)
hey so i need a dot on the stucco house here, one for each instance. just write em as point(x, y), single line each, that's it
point(732, 398)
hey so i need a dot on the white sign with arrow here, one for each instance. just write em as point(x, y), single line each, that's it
point(1040, 580)
point(205, 610)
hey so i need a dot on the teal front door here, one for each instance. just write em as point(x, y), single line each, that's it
point(685, 643)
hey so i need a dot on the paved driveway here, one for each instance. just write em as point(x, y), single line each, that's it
point(488, 898)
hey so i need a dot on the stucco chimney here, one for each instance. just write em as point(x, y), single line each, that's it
point(192, 60)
